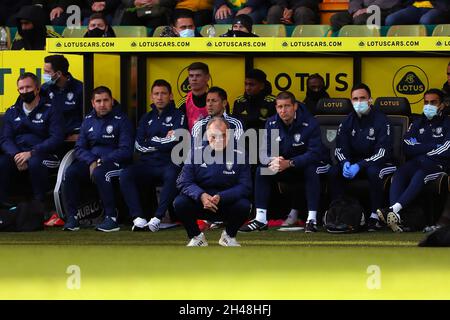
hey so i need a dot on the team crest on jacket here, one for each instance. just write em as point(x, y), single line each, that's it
point(51, 95)
point(168, 119)
point(38, 116)
point(109, 129)
point(438, 130)
point(150, 122)
point(297, 137)
point(229, 166)
point(371, 132)
point(69, 96)
point(353, 132)
point(422, 130)
point(331, 135)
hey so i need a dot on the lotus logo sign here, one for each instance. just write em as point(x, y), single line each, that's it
point(410, 82)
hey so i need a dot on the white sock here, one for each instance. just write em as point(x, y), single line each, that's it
point(312, 215)
point(139, 222)
point(261, 215)
point(373, 215)
point(293, 214)
point(397, 207)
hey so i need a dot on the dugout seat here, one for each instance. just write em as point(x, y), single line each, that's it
point(311, 30)
point(418, 30)
point(359, 31)
point(158, 30)
point(393, 106)
point(220, 29)
point(269, 30)
point(74, 32)
point(120, 31)
point(441, 30)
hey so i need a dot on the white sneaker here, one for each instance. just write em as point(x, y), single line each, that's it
point(153, 225)
point(198, 241)
point(139, 224)
point(290, 221)
point(227, 241)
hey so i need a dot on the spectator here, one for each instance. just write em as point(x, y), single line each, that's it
point(217, 190)
point(315, 90)
point(226, 10)
point(446, 91)
point(363, 149)
point(241, 27)
point(65, 93)
point(98, 27)
point(357, 12)
point(301, 157)
point(149, 13)
point(105, 7)
point(104, 147)
point(30, 22)
point(193, 105)
point(8, 10)
point(294, 12)
point(421, 12)
point(427, 145)
point(257, 104)
point(183, 25)
point(32, 134)
point(154, 141)
point(57, 10)
point(202, 10)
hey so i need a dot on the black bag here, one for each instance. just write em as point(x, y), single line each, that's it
point(413, 218)
point(30, 216)
point(345, 215)
point(438, 238)
point(8, 219)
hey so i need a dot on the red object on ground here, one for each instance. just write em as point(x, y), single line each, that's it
point(54, 221)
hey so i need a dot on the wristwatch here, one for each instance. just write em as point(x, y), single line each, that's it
point(291, 163)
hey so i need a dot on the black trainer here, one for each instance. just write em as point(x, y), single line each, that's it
point(311, 226)
point(383, 213)
point(253, 225)
point(374, 225)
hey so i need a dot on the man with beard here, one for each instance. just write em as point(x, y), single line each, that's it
point(257, 104)
point(315, 90)
point(30, 22)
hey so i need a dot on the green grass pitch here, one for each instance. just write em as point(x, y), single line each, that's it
point(269, 265)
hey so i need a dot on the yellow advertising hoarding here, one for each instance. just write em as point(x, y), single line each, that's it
point(291, 74)
point(404, 77)
point(13, 63)
point(227, 73)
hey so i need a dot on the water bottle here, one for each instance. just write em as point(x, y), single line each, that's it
point(3, 39)
point(211, 31)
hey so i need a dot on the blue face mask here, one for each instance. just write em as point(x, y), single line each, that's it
point(430, 111)
point(187, 33)
point(48, 78)
point(361, 107)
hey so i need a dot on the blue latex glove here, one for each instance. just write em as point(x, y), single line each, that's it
point(354, 169)
point(345, 170)
point(413, 140)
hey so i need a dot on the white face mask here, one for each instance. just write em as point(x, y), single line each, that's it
point(361, 107)
point(187, 33)
point(430, 111)
point(46, 77)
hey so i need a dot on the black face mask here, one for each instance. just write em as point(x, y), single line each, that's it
point(29, 34)
point(95, 33)
point(28, 97)
point(315, 95)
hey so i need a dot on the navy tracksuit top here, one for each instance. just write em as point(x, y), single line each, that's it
point(231, 180)
point(151, 137)
point(429, 139)
point(69, 100)
point(109, 138)
point(300, 142)
point(366, 140)
point(41, 131)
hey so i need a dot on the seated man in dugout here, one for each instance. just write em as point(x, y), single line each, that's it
point(103, 149)
point(31, 138)
point(217, 188)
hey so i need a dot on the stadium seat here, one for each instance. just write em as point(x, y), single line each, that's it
point(311, 30)
point(158, 31)
point(220, 29)
point(269, 30)
point(393, 105)
point(359, 31)
point(418, 30)
point(130, 31)
point(441, 30)
point(74, 32)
